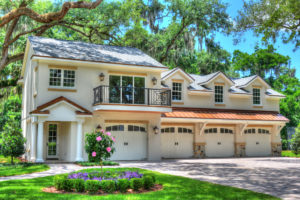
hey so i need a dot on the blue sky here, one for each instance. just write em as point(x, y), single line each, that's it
point(249, 40)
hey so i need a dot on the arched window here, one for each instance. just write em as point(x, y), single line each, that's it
point(134, 128)
point(263, 131)
point(226, 130)
point(184, 130)
point(211, 130)
point(249, 131)
point(168, 130)
point(115, 128)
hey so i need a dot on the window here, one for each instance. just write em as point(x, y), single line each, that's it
point(134, 128)
point(168, 130)
point(177, 92)
point(226, 130)
point(211, 130)
point(263, 131)
point(218, 94)
point(185, 130)
point(115, 128)
point(62, 78)
point(256, 96)
point(249, 131)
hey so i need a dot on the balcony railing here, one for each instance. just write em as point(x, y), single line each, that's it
point(131, 95)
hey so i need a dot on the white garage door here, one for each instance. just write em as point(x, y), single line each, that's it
point(177, 142)
point(258, 142)
point(219, 142)
point(131, 141)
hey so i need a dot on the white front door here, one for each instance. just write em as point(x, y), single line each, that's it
point(131, 141)
point(52, 141)
point(177, 142)
point(219, 142)
point(258, 142)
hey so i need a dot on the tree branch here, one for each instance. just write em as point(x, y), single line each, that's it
point(48, 17)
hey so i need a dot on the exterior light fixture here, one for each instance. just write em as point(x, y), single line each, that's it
point(98, 128)
point(156, 130)
point(154, 81)
point(101, 77)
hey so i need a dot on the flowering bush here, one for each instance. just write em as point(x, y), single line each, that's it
point(98, 145)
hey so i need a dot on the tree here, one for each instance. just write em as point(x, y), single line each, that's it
point(13, 142)
point(272, 18)
point(296, 141)
point(14, 18)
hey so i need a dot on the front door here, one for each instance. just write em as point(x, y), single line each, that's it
point(52, 142)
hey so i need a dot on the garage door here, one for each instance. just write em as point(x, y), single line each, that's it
point(219, 142)
point(177, 142)
point(258, 142)
point(131, 141)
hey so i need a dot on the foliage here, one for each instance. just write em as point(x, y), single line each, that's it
point(108, 186)
point(92, 186)
point(78, 185)
point(13, 142)
point(98, 145)
point(123, 185)
point(59, 181)
point(175, 187)
point(272, 18)
point(289, 154)
point(148, 182)
point(11, 107)
point(67, 185)
point(21, 168)
point(104, 163)
point(136, 183)
point(295, 141)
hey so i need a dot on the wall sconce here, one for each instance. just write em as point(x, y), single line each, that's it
point(156, 130)
point(154, 81)
point(98, 128)
point(101, 77)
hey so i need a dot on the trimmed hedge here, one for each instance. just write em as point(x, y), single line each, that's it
point(123, 185)
point(59, 182)
point(136, 183)
point(148, 182)
point(92, 186)
point(78, 185)
point(108, 186)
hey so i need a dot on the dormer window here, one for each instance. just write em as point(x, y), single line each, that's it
point(176, 91)
point(62, 78)
point(256, 96)
point(219, 94)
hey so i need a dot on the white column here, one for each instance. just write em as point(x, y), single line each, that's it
point(40, 145)
point(33, 141)
point(79, 142)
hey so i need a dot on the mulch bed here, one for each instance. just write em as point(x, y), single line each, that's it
point(52, 189)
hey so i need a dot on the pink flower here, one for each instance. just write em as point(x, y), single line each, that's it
point(108, 133)
point(113, 139)
point(94, 154)
point(102, 131)
point(98, 138)
point(108, 149)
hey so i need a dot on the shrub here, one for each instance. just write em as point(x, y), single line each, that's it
point(78, 185)
point(92, 186)
point(136, 183)
point(67, 184)
point(123, 184)
point(148, 182)
point(59, 182)
point(296, 141)
point(108, 186)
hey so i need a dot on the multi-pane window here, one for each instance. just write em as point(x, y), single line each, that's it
point(226, 130)
point(263, 131)
point(62, 78)
point(177, 91)
point(52, 140)
point(249, 131)
point(256, 96)
point(115, 128)
point(134, 128)
point(184, 130)
point(211, 130)
point(168, 130)
point(218, 94)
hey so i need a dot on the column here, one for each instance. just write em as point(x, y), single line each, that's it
point(79, 142)
point(40, 139)
point(33, 142)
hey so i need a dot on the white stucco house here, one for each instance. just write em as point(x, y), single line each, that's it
point(71, 88)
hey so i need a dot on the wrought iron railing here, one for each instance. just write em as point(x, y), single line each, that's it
point(131, 95)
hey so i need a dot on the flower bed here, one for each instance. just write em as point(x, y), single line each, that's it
point(106, 182)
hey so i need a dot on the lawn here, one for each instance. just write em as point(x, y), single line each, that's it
point(19, 168)
point(289, 154)
point(175, 187)
point(105, 163)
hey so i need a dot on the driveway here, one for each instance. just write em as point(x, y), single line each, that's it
point(276, 176)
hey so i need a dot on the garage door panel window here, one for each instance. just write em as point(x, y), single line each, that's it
point(135, 128)
point(226, 131)
point(211, 130)
point(185, 130)
point(115, 128)
point(250, 131)
point(168, 130)
point(263, 131)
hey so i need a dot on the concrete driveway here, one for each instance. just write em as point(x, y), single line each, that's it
point(276, 176)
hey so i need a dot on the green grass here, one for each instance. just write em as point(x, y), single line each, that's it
point(6, 169)
point(289, 154)
point(175, 187)
point(105, 163)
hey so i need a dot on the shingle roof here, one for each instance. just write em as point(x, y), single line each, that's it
point(272, 92)
point(204, 113)
point(235, 90)
point(243, 81)
point(65, 49)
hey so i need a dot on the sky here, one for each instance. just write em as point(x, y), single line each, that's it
point(249, 40)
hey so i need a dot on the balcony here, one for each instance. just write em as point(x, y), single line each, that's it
point(133, 98)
